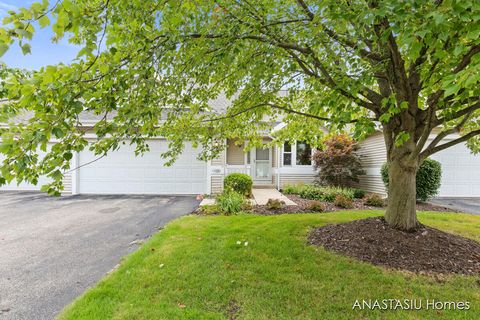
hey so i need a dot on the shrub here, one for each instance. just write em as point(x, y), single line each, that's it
point(293, 188)
point(230, 202)
point(343, 202)
point(374, 200)
point(316, 206)
point(275, 204)
point(209, 210)
point(239, 182)
point(338, 163)
point(325, 193)
point(312, 193)
point(428, 179)
point(358, 193)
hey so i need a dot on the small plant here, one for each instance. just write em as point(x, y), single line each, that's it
point(325, 193)
point(312, 193)
point(239, 182)
point(275, 204)
point(293, 188)
point(358, 193)
point(343, 202)
point(247, 206)
point(428, 178)
point(374, 200)
point(230, 202)
point(316, 206)
point(211, 209)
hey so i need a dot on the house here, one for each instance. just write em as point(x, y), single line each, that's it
point(460, 168)
point(120, 172)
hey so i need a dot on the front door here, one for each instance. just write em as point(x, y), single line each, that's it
point(262, 163)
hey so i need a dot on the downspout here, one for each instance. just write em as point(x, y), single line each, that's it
point(278, 167)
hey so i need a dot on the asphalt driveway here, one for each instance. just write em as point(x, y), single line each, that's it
point(53, 249)
point(468, 205)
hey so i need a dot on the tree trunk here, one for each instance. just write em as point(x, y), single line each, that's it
point(401, 211)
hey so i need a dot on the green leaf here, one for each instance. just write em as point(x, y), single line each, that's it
point(26, 48)
point(58, 132)
point(44, 21)
point(3, 48)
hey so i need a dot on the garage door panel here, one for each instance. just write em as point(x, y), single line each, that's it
point(121, 172)
point(24, 186)
point(460, 172)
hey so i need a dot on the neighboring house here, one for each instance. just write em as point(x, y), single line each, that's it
point(460, 169)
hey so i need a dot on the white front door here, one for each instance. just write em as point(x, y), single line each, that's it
point(262, 163)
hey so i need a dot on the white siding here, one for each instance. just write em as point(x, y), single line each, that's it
point(373, 154)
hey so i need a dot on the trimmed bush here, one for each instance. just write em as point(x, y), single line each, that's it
point(230, 202)
point(374, 200)
point(316, 206)
point(358, 193)
point(239, 182)
point(274, 204)
point(428, 179)
point(343, 202)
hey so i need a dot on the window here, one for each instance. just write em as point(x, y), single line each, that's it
point(304, 154)
point(287, 154)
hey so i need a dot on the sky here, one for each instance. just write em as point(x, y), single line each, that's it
point(44, 52)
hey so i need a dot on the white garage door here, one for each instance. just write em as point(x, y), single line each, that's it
point(460, 172)
point(120, 172)
point(13, 186)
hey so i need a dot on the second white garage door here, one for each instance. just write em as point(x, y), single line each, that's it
point(460, 172)
point(122, 173)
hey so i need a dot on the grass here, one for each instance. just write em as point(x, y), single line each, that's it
point(194, 269)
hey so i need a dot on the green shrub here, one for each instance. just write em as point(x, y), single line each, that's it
point(374, 200)
point(343, 202)
point(325, 193)
point(230, 202)
point(293, 188)
point(316, 206)
point(358, 193)
point(312, 193)
point(428, 179)
point(274, 204)
point(211, 209)
point(239, 182)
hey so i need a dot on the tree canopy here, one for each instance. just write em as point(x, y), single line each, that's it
point(150, 68)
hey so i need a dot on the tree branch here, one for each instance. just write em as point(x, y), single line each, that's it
point(430, 151)
point(278, 107)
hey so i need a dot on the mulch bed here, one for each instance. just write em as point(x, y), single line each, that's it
point(302, 207)
point(426, 250)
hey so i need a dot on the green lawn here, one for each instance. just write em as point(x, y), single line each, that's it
point(194, 269)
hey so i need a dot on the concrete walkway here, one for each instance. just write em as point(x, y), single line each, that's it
point(261, 196)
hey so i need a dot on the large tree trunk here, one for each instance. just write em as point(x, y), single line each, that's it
point(401, 211)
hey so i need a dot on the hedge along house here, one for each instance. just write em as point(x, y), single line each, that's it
point(460, 168)
point(120, 172)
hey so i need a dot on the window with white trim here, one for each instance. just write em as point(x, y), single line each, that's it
point(287, 154)
point(297, 154)
point(304, 154)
